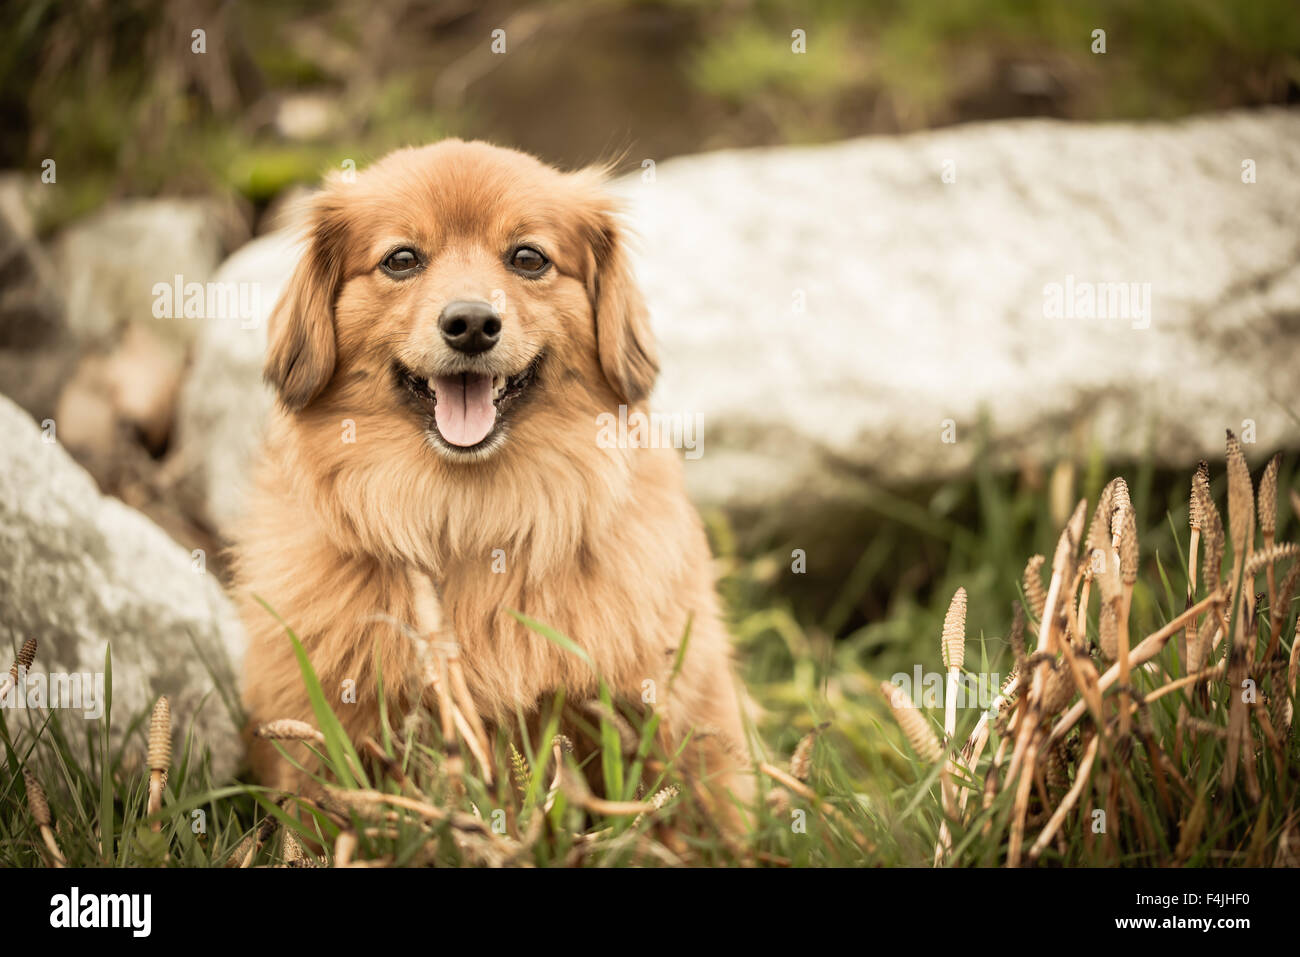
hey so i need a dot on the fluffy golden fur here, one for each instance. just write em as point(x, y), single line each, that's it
point(599, 543)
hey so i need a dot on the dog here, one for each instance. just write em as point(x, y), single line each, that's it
point(460, 318)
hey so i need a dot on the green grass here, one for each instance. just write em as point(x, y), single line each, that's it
point(806, 658)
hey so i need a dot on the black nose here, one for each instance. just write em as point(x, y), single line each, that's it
point(470, 327)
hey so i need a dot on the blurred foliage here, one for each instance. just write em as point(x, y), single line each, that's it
point(115, 93)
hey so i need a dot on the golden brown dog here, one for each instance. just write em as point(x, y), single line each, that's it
point(461, 316)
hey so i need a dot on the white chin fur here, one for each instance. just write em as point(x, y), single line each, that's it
point(489, 447)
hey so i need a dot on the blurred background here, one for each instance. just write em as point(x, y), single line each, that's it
point(288, 87)
point(113, 91)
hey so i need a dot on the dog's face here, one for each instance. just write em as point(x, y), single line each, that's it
point(455, 292)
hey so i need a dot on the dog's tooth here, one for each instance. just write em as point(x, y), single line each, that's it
point(498, 384)
point(431, 386)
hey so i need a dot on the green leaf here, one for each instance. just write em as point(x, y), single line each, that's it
point(553, 636)
point(344, 759)
point(106, 763)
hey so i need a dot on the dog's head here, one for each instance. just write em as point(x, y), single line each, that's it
point(461, 289)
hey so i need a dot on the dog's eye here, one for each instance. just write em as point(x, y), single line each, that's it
point(401, 262)
point(526, 259)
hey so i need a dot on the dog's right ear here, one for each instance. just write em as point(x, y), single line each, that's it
point(301, 349)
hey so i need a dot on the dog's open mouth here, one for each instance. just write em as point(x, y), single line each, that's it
point(467, 407)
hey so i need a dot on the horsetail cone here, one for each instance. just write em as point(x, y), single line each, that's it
point(36, 803)
point(1211, 527)
point(1071, 535)
point(1035, 594)
point(26, 655)
point(1268, 496)
point(1099, 530)
point(1200, 492)
point(160, 736)
point(954, 631)
point(1058, 690)
point(1120, 496)
point(801, 760)
point(915, 728)
point(1108, 631)
point(289, 729)
point(1241, 498)
point(1128, 548)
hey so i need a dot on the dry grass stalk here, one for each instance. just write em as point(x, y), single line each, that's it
point(373, 804)
point(1292, 672)
point(1145, 650)
point(39, 808)
point(1025, 750)
point(477, 738)
point(392, 767)
point(627, 737)
point(1241, 525)
point(1268, 515)
point(970, 754)
point(1197, 677)
point(953, 651)
point(1128, 566)
point(953, 648)
point(1195, 517)
point(576, 790)
point(160, 756)
point(345, 845)
point(1280, 609)
point(1189, 831)
point(1067, 803)
point(246, 851)
point(809, 795)
point(560, 745)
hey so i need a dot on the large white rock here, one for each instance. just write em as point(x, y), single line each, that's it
point(80, 571)
point(224, 400)
point(827, 310)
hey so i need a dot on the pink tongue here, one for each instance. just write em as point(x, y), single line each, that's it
point(464, 413)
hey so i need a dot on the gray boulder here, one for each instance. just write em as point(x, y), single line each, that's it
point(80, 571)
point(853, 312)
point(224, 401)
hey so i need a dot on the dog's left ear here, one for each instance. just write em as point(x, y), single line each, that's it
point(301, 350)
point(624, 341)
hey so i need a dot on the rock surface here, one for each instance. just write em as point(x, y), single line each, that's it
point(78, 569)
point(115, 258)
point(37, 353)
point(839, 313)
point(224, 400)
